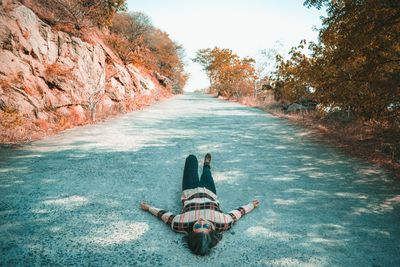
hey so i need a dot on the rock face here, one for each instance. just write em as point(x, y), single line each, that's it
point(50, 80)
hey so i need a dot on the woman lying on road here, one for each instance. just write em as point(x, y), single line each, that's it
point(201, 219)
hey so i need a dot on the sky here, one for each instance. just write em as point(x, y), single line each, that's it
point(244, 26)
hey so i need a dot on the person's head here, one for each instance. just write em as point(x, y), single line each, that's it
point(202, 237)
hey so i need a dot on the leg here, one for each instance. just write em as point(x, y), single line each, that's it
point(207, 180)
point(190, 173)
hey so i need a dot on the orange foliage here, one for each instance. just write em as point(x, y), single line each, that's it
point(64, 122)
point(65, 27)
point(142, 44)
point(54, 72)
point(57, 69)
point(11, 118)
point(230, 75)
point(354, 67)
point(142, 100)
point(121, 46)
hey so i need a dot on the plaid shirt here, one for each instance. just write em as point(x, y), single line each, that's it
point(200, 203)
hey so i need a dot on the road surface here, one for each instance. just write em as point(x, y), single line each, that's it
point(72, 199)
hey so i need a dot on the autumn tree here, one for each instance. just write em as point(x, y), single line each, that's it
point(355, 65)
point(293, 76)
point(128, 34)
point(133, 26)
point(138, 42)
point(167, 57)
point(100, 12)
point(229, 75)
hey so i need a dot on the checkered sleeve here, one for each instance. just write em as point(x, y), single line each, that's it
point(165, 216)
point(236, 214)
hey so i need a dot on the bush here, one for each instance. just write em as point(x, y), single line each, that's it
point(137, 41)
point(121, 46)
point(78, 13)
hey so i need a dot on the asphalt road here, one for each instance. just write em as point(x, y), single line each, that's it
point(72, 199)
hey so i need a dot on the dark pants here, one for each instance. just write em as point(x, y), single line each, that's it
point(191, 176)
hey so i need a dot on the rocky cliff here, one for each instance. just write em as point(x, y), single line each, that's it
point(50, 80)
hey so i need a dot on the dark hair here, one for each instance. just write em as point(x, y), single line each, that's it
point(201, 243)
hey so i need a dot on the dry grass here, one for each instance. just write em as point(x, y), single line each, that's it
point(375, 142)
point(372, 141)
point(249, 101)
point(11, 119)
point(56, 69)
point(66, 27)
point(14, 127)
point(141, 101)
point(91, 35)
point(64, 123)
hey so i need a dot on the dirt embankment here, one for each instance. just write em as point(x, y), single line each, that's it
point(51, 81)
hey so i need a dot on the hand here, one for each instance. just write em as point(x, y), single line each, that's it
point(144, 206)
point(256, 203)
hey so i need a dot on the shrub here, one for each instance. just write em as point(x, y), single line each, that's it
point(56, 70)
point(121, 46)
point(79, 13)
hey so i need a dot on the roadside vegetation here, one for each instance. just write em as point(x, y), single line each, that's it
point(346, 86)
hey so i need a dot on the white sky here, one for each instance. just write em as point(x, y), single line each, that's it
point(245, 26)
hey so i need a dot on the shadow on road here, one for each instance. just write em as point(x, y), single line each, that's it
point(73, 198)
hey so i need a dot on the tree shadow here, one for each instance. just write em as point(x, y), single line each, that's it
point(73, 198)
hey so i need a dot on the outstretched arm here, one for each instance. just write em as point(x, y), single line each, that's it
point(236, 214)
point(159, 213)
